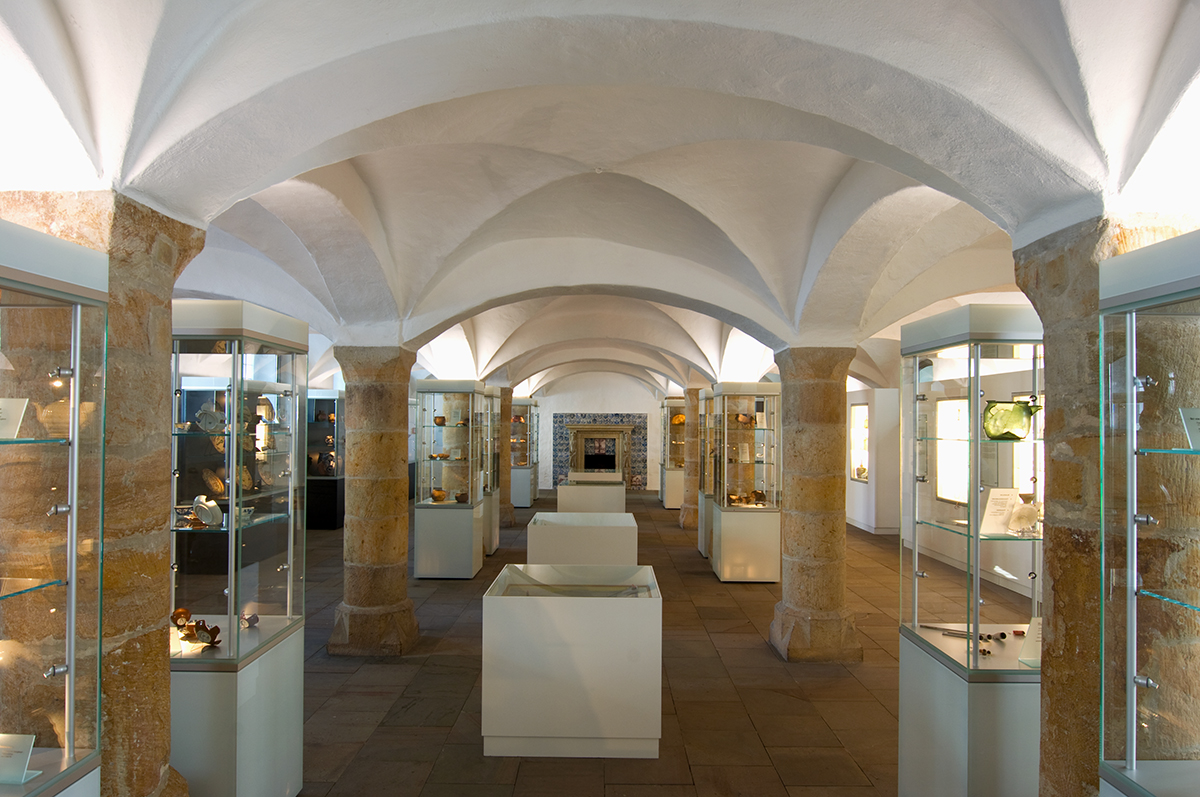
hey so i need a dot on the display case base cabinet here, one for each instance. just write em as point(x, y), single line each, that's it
point(1150, 779)
point(325, 503)
point(582, 538)
point(448, 541)
point(672, 490)
point(242, 733)
point(522, 487)
point(572, 677)
point(704, 511)
point(958, 737)
point(87, 786)
point(592, 497)
point(491, 523)
point(49, 760)
point(745, 545)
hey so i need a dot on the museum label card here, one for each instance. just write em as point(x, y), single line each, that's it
point(1191, 425)
point(998, 510)
point(15, 749)
point(12, 410)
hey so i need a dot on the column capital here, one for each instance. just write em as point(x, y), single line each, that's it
point(385, 364)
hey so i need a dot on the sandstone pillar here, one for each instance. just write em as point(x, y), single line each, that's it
point(689, 511)
point(375, 617)
point(812, 622)
point(147, 251)
point(1059, 274)
point(508, 513)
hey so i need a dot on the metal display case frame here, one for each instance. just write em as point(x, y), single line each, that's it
point(674, 440)
point(524, 450)
point(53, 318)
point(491, 470)
point(326, 482)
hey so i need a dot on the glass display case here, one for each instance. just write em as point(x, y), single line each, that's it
point(674, 424)
point(326, 495)
point(971, 550)
point(523, 439)
point(707, 471)
point(1150, 418)
point(491, 469)
point(448, 539)
point(745, 438)
point(238, 518)
point(52, 371)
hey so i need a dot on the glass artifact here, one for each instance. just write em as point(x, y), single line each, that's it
point(238, 530)
point(52, 374)
point(1150, 452)
point(1009, 420)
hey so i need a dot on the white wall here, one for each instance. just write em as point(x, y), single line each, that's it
point(874, 505)
point(598, 392)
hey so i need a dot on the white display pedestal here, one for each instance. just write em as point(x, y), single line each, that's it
point(745, 544)
point(966, 731)
point(491, 523)
point(591, 497)
point(522, 486)
point(82, 782)
point(704, 525)
point(672, 488)
point(582, 538)
point(536, 486)
point(87, 786)
point(241, 732)
point(572, 662)
point(575, 476)
point(448, 540)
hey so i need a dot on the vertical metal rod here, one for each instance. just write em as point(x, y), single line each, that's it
point(1036, 451)
point(298, 404)
point(73, 525)
point(1131, 542)
point(975, 386)
point(233, 518)
point(912, 489)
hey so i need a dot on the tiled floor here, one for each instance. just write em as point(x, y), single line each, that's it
point(736, 719)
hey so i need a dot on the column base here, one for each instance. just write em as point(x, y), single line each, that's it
point(799, 635)
point(689, 517)
point(508, 514)
point(374, 630)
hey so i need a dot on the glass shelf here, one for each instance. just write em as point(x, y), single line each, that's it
point(1184, 451)
point(963, 531)
point(58, 441)
point(11, 587)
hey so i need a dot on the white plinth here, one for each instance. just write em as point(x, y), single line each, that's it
point(704, 525)
point(491, 523)
point(242, 733)
point(961, 737)
point(672, 489)
point(745, 544)
point(582, 538)
point(591, 497)
point(87, 786)
point(448, 540)
point(572, 662)
point(82, 781)
point(522, 486)
point(589, 476)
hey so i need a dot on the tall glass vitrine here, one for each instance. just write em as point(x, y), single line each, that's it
point(673, 426)
point(746, 481)
point(972, 410)
point(491, 469)
point(524, 449)
point(239, 447)
point(1150, 420)
point(448, 540)
point(52, 373)
point(704, 504)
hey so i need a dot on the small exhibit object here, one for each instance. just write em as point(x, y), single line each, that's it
point(1009, 420)
point(998, 511)
point(15, 749)
point(1031, 650)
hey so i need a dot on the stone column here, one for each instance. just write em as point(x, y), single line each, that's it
point(375, 617)
point(1060, 276)
point(812, 622)
point(689, 510)
point(508, 512)
point(147, 251)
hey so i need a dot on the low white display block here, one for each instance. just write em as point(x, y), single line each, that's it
point(491, 523)
point(522, 486)
point(704, 525)
point(746, 544)
point(448, 540)
point(591, 497)
point(973, 734)
point(582, 538)
point(241, 733)
point(589, 476)
point(672, 492)
point(572, 662)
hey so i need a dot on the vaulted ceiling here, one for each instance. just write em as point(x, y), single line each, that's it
point(617, 186)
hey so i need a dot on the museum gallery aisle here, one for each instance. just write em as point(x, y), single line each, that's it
point(737, 720)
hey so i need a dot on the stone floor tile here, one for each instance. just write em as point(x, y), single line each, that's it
point(842, 715)
point(739, 748)
point(779, 730)
point(315, 789)
point(378, 675)
point(817, 766)
point(832, 791)
point(723, 781)
point(671, 766)
point(326, 762)
point(623, 790)
point(466, 763)
point(467, 790)
point(554, 777)
point(712, 716)
point(425, 711)
point(399, 743)
point(399, 778)
point(790, 701)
